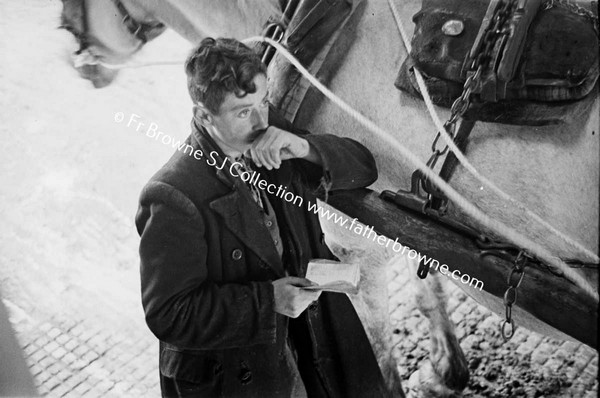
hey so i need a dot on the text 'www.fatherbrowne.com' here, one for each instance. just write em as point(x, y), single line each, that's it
point(151, 131)
point(368, 233)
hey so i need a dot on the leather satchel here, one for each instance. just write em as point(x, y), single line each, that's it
point(541, 76)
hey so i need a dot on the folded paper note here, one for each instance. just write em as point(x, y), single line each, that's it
point(333, 276)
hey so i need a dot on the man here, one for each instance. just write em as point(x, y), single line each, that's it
point(222, 261)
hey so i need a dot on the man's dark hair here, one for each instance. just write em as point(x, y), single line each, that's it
point(220, 66)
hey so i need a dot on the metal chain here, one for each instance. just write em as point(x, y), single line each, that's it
point(520, 260)
point(576, 9)
point(510, 295)
point(476, 65)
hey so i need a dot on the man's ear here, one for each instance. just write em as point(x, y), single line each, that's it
point(202, 115)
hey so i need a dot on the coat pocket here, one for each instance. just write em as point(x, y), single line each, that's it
point(193, 372)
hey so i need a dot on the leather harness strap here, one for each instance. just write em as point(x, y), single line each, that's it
point(315, 26)
point(310, 19)
point(82, 36)
point(276, 30)
point(484, 75)
point(309, 13)
point(141, 31)
point(450, 163)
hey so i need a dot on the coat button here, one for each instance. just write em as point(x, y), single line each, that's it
point(236, 254)
point(313, 306)
point(269, 223)
point(217, 368)
point(246, 377)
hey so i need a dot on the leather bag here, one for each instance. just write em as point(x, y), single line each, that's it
point(556, 66)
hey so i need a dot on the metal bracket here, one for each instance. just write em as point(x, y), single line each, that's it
point(413, 199)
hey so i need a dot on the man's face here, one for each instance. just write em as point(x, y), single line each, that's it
point(241, 120)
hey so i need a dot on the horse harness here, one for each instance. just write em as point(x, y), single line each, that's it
point(482, 61)
point(487, 74)
point(143, 32)
point(302, 20)
point(489, 67)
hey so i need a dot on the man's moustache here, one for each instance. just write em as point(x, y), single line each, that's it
point(257, 134)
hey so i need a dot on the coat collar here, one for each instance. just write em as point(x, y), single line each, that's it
point(211, 150)
point(238, 210)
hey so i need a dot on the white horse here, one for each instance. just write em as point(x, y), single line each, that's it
point(552, 170)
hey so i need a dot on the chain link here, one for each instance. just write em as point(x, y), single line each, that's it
point(477, 63)
point(576, 9)
point(520, 259)
point(515, 277)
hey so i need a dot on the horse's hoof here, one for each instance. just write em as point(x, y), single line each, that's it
point(448, 362)
point(99, 75)
point(425, 383)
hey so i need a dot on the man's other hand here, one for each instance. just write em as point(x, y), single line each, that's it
point(290, 299)
point(276, 145)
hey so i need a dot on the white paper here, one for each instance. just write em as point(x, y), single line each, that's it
point(333, 276)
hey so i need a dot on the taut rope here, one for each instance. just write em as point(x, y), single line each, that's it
point(463, 160)
point(91, 59)
point(508, 233)
point(497, 226)
point(86, 57)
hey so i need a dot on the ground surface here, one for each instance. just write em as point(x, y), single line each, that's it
point(69, 268)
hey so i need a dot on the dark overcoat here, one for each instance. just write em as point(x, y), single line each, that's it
point(207, 262)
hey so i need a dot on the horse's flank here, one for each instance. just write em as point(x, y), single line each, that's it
point(197, 19)
point(552, 170)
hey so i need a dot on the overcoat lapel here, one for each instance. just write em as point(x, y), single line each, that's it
point(239, 211)
point(243, 219)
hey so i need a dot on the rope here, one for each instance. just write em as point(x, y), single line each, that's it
point(86, 57)
point(485, 220)
point(494, 225)
point(466, 164)
point(130, 65)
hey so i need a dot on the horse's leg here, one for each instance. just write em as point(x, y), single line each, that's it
point(447, 371)
point(371, 303)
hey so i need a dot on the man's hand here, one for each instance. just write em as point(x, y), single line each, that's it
point(276, 145)
point(290, 299)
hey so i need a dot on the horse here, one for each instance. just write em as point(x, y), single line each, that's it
point(551, 169)
point(118, 30)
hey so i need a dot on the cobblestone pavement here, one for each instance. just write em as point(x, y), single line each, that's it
point(105, 354)
point(69, 266)
point(529, 365)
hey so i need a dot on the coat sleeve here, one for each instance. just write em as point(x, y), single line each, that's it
point(181, 305)
point(347, 164)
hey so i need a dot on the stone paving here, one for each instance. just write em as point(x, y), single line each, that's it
point(87, 356)
point(529, 365)
point(74, 358)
